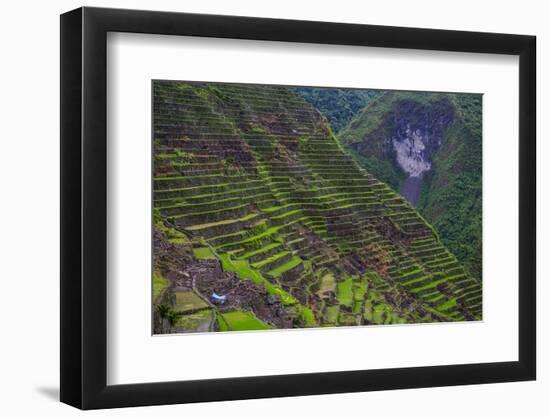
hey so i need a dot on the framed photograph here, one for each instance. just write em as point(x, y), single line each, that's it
point(257, 208)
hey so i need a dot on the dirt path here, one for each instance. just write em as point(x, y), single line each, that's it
point(410, 189)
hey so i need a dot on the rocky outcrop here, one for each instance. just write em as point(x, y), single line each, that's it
point(416, 135)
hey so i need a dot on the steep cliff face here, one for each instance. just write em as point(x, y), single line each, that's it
point(411, 152)
point(428, 146)
point(283, 228)
point(418, 133)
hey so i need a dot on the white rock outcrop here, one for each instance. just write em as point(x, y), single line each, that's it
point(410, 153)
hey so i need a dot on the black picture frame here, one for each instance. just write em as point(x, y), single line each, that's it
point(84, 207)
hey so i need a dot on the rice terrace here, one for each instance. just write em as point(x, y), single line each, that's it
point(278, 207)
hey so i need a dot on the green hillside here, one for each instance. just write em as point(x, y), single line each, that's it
point(450, 193)
point(256, 203)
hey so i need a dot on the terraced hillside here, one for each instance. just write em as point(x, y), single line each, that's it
point(263, 221)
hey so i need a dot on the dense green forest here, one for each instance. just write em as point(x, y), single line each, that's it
point(451, 198)
point(338, 105)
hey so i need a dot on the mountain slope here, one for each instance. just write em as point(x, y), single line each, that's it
point(428, 146)
point(283, 228)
